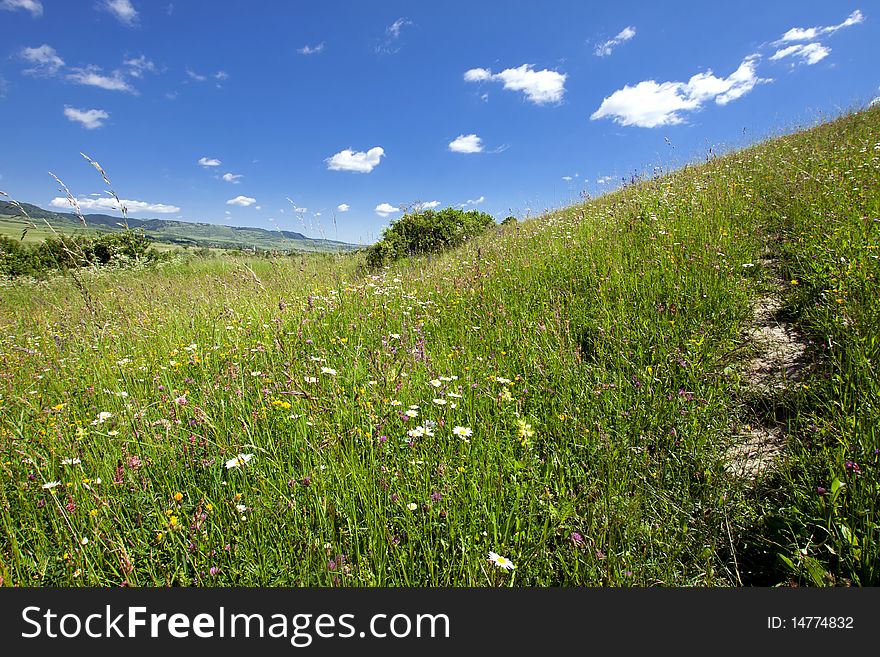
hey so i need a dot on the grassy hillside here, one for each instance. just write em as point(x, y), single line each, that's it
point(567, 392)
point(165, 231)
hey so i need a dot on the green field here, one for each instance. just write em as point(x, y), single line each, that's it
point(568, 392)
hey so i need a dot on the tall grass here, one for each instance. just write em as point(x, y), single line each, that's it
point(573, 384)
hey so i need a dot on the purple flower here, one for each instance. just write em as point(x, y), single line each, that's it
point(852, 466)
point(214, 571)
point(435, 497)
point(577, 538)
point(820, 490)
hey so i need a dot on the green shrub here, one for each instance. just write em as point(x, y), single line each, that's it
point(427, 231)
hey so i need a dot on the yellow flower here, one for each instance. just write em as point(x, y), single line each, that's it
point(178, 496)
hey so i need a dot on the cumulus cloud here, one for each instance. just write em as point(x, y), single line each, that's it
point(811, 33)
point(607, 47)
point(428, 205)
point(343, 207)
point(357, 161)
point(466, 144)
point(33, 6)
point(475, 201)
point(90, 119)
point(209, 162)
point(242, 201)
point(540, 87)
point(650, 104)
point(232, 177)
point(311, 50)
point(384, 209)
point(809, 53)
point(45, 60)
point(122, 10)
point(108, 204)
point(93, 76)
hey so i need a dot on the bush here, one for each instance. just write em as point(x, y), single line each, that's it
point(426, 232)
point(63, 252)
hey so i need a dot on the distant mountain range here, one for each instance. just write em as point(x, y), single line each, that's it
point(182, 233)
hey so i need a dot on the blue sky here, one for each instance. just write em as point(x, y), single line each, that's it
point(330, 118)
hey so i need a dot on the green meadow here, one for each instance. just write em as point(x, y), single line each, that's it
point(565, 392)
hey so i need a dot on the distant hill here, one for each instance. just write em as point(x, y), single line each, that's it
point(183, 233)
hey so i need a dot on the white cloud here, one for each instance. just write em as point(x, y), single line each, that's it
point(343, 207)
point(477, 75)
point(567, 178)
point(93, 77)
point(540, 87)
point(384, 209)
point(604, 180)
point(429, 205)
point(242, 201)
point(108, 204)
point(810, 53)
point(874, 102)
point(475, 201)
point(90, 119)
point(4, 85)
point(209, 162)
point(44, 58)
point(232, 177)
point(393, 30)
point(357, 161)
point(311, 50)
point(33, 6)
point(196, 76)
point(810, 33)
point(606, 47)
point(221, 75)
point(392, 34)
point(466, 144)
point(649, 104)
point(137, 66)
point(122, 10)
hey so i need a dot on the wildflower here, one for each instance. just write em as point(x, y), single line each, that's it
point(328, 370)
point(820, 490)
point(395, 402)
point(576, 538)
point(51, 484)
point(502, 380)
point(454, 395)
point(501, 562)
point(411, 412)
point(525, 430)
point(214, 571)
point(311, 379)
point(412, 506)
point(748, 265)
point(257, 373)
point(241, 508)
point(436, 383)
point(84, 541)
point(238, 461)
point(463, 432)
point(74, 461)
point(178, 496)
point(436, 496)
point(103, 416)
point(439, 402)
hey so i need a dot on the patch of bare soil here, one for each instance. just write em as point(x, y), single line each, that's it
point(781, 361)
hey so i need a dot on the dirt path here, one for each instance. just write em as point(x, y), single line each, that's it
point(781, 362)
